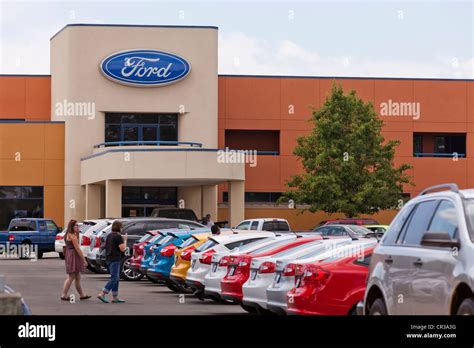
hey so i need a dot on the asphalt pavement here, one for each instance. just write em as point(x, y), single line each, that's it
point(40, 283)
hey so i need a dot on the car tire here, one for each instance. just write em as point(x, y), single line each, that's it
point(92, 268)
point(378, 308)
point(173, 287)
point(61, 256)
point(39, 254)
point(127, 273)
point(25, 250)
point(249, 309)
point(466, 307)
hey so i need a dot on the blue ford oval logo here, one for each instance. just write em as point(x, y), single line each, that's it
point(144, 68)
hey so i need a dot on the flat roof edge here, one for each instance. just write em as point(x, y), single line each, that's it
point(136, 26)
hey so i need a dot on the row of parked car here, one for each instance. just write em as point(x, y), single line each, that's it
point(423, 263)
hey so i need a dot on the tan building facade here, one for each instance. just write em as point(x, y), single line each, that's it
point(95, 173)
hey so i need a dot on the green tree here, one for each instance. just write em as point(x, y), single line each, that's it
point(348, 165)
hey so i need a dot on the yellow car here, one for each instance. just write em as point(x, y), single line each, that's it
point(380, 229)
point(182, 259)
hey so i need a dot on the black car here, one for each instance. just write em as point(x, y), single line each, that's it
point(135, 228)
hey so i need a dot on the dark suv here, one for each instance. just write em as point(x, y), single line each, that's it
point(135, 228)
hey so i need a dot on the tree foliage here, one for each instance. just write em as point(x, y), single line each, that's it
point(348, 164)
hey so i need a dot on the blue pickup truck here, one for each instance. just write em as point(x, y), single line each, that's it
point(32, 234)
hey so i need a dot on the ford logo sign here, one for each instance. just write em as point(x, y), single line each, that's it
point(144, 68)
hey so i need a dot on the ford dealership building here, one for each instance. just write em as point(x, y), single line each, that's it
point(137, 117)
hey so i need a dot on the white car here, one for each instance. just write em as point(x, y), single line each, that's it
point(262, 273)
point(94, 247)
point(59, 241)
point(285, 270)
point(212, 280)
point(265, 224)
point(94, 225)
point(201, 258)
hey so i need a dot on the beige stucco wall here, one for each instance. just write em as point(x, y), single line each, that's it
point(76, 53)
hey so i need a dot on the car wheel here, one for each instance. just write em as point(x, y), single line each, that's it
point(128, 273)
point(185, 289)
point(466, 307)
point(61, 256)
point(251, 310)
point(91, 268)
point(378, 308)
point(25, 250)
point(39, 254)
point(173, 287)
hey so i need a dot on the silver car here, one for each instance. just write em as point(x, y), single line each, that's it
point(424, 264)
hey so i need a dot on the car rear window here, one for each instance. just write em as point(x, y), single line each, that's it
point(22, 226)
point(206, 245)
point(156, 238)
point(322, 248)
point(166, 240)
point(190, 241)
point(298, 248)
point(271, 246)
point(144, 238)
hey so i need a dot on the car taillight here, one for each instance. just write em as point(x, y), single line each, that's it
point(168, 251)
point(224, 261)
point(186, 254)
point(58, 237)
point(267, 267)
point(97, 243)
point(206, 258)
point(86, 241)
point(244, 261)
point(290, 270)
point(11, 237)
point(299, 269)
point(314, 274)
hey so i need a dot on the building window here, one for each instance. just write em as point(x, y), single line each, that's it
point(265, 142)
point(20, 202)
point(257, 197)
point(140, 201)
point(439, 144)
point(121, 127)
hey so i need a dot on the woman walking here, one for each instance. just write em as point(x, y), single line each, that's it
point(74, 260)
point(115, 245)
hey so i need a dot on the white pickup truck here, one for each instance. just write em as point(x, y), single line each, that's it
point(265, 224)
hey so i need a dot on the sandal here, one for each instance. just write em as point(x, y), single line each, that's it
point(66, 298)
point(84, 297)
point(103, 299)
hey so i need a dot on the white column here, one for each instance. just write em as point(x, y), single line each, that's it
point(113, 198)
point(236, 202)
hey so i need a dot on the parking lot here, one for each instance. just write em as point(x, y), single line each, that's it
point(40, 283)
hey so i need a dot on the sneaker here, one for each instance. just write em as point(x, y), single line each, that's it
point(118, 300)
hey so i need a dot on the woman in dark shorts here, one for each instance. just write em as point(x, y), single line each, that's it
point(74, 260)
point(115, 245)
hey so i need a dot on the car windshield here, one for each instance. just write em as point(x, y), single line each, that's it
point(469, 207)
point(359, 230)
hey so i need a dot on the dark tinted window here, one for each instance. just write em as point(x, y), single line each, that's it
point(332, 231)
point(282, 226)
point(396, 226)
point(135, 228)
point(419, 222)
point(22, 226)
point(267, 226)
point(254, 226)
point(156, 225)
point(185, 214)
point(445, 219)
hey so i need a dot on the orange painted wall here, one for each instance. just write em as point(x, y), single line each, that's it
point(32, 154)
point(25, 97)
point(283, 104)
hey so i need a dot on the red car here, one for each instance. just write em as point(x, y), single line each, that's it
point(238, 266)
point(138, 249)
point(332, 286)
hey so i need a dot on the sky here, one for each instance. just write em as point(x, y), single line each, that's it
point(420, 39)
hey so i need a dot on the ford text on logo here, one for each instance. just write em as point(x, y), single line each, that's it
point(144, 68)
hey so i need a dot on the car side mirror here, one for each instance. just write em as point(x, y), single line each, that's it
point(439, 239)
